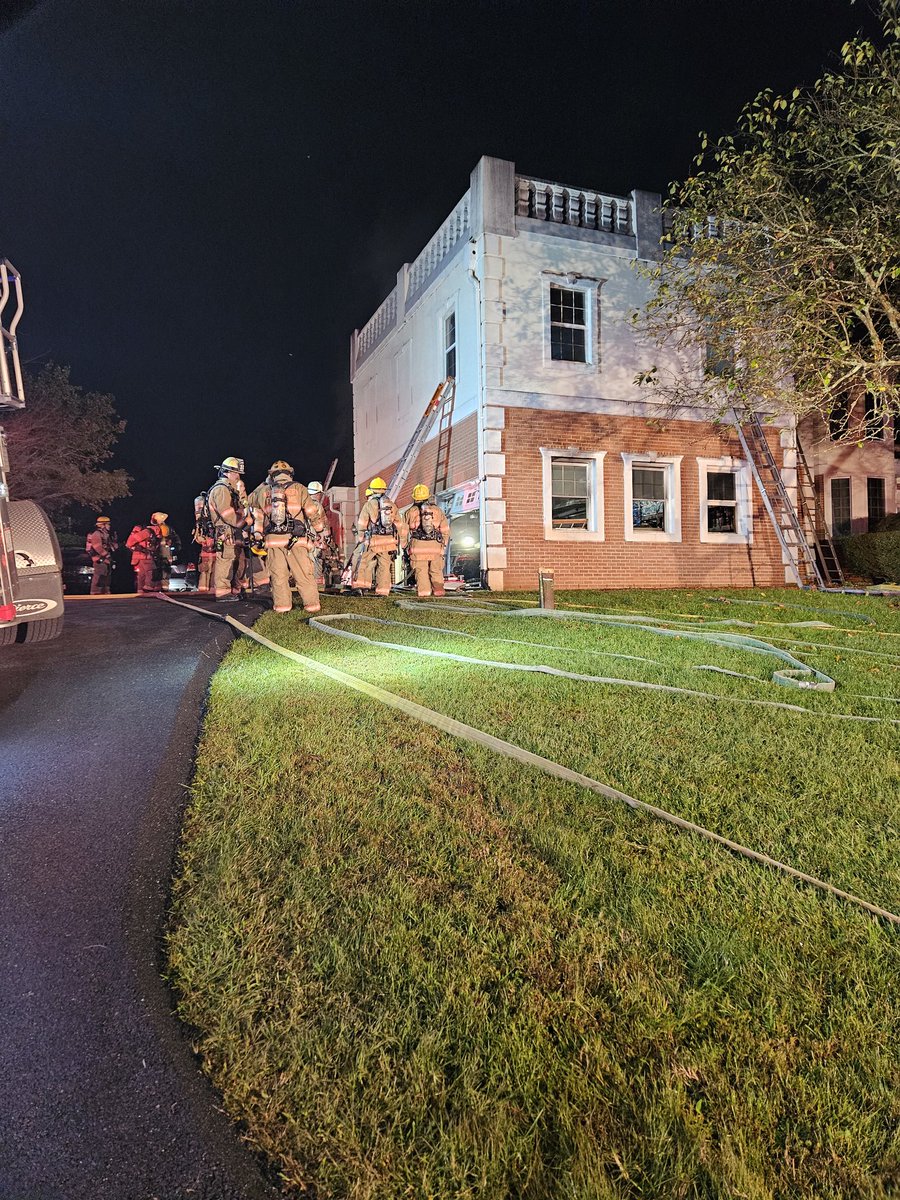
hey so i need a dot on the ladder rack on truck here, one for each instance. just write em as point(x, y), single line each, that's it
point(31, 594)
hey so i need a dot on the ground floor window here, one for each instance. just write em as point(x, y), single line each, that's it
point(652, 498)
point(572, 486)
point(840, 507)
point(726, 514)
point(875, 500)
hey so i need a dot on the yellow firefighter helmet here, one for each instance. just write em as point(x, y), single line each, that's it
point(103, 520)
point(231, 464)
point(421, 492)
point(377, 485)
point(159, 517)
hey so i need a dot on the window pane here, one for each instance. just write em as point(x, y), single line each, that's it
point(875, 497)
point(721, 518)
point(648, 514)
point(720, 485)
point(567, 345)
point(450, 330)
point(569, 512)
point(839, 419)
point(450, 363)
point(648, 483)
point(840, 507)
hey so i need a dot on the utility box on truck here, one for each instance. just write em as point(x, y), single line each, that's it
point(31, 593)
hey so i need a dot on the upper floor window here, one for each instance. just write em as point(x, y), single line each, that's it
point(874, 418)
point(568, 324)
point(450, 345)
point(839, 419)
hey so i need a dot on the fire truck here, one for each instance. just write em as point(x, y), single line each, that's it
point(31, 589)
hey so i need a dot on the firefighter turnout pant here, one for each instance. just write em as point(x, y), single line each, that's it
point(427, 559)
point(377, 565)
point(228, 568)
point(286, 559)
point(101, 577)
point(144, 570)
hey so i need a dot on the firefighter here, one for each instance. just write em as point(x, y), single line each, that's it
point(382, 531)
point(285, 521)
point(101, 544)
point(327, 553)
point(144, 546)
point(227, 501)
point(205, 564)
point(429, 533)
point(168, 549)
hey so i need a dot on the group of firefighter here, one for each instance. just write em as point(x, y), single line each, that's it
point(286, 535)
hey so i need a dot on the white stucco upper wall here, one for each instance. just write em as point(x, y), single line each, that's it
point(613, 289)
point(396, 381)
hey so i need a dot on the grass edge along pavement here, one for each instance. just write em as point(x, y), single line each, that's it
point(437, 974)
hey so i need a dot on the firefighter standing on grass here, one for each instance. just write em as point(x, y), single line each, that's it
point(100, 545)
point(382, 531)
point(429, 532)
point(327, 555)
point(227, 511)
point(287, 521)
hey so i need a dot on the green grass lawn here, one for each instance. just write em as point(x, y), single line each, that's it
point(417, 969)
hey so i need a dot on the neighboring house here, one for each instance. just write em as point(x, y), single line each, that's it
point(557, 458)
point(855, 460)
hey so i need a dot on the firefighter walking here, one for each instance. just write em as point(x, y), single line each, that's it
point(227, 504)
point(382, 531)
point(429, 532)
point(101, 544)
point(286, 521)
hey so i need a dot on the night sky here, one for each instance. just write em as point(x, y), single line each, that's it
point(205, 198)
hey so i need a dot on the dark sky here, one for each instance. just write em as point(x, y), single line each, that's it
point(204, 198)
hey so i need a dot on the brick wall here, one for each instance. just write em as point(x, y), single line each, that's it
point(615, 563)
point(463, 461)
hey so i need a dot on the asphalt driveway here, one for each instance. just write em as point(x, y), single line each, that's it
point(101, 1096)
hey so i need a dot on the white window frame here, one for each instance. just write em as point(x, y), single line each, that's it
point(743, 507)
point(594, 459)
point(449, 312)
point(672, 477)
point(591, 290)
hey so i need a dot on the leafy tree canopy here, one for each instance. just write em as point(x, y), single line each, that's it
point(59, 441)
point(780, 273)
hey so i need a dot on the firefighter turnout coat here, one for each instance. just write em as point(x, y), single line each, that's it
point(288, 520)
point(429, 533)
point(227, 510)
point(382, 532)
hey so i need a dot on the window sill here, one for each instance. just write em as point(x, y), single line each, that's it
point(726, 539)
point(572, 535)
point(651, 535)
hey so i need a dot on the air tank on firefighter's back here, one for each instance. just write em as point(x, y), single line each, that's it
point(31, 591)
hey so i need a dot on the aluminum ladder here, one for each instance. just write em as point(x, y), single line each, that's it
point(786, 521)
point(441, 402)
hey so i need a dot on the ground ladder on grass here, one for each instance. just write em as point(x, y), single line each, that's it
point(800, 528)
point(441, 403)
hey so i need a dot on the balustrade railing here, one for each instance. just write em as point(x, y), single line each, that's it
point(380, 323)
point(454, 229)
point(561, 205)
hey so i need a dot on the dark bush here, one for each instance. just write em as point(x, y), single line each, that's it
point(873, 555)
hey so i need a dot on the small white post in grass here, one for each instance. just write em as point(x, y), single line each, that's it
point(545, 587)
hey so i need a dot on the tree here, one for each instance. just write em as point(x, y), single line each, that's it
point(780, 273)
point(58, 442)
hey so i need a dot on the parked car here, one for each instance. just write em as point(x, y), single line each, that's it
point(77, 571)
